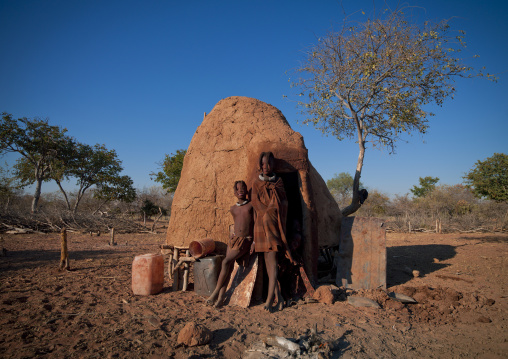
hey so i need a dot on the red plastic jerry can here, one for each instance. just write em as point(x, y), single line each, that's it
point(147, 274)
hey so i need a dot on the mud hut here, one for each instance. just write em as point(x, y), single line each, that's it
point(225, 148)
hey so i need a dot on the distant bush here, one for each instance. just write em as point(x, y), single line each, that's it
point(454, 207)
point(376, 204)
point(93, 215)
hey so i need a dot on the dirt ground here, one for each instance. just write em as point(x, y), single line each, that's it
point(90, 311)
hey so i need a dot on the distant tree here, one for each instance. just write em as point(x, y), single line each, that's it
point(402, 205)
point(446, 200)
point(120, 188)
point(149, 208)
point(40, 146)
point(427, 184)
point(371, 80)
point(171, 169)
point(489, 178)
point(341, 187)
point(8, 187)
point(93, 166)
point(377, 205)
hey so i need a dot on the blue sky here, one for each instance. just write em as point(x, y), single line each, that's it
point(138, 75)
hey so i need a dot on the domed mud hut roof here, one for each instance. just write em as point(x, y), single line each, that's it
point(226, 148)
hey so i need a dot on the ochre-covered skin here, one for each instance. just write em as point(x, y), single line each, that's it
point(226, 148)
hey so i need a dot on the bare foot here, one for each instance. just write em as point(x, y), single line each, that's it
point(279, 306)
point(220, 300)
point(218, 304)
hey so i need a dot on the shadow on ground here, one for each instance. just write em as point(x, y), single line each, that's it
point(402, 260)
point(220, 336)
point(33, 259)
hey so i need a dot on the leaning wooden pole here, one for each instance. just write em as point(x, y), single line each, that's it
point(186, 273)
point(64, 254)
point(175, 272)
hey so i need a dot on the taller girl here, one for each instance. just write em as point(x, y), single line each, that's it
point(270, 211)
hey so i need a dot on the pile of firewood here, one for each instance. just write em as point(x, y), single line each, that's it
point(54, 222)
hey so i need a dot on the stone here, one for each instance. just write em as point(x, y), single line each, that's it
point(323, 294)
point(194, 334)
point(407, 270)
point(484, 319)
point(356, 301)
point(225, 148)
point(401, 297)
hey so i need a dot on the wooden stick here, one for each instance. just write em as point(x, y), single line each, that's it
point(176, 276)
point(183, 260)
point(186, 272)
point(170, 267)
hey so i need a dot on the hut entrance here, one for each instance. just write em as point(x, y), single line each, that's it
point(294, 216)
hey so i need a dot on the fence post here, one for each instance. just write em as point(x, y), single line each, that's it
point(64, 253)
point(112, 239)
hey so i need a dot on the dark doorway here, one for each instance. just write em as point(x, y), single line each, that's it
point(294, 197)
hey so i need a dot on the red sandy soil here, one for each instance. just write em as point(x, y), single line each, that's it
point(90, 311)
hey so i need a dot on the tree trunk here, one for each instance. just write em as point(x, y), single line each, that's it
point(37, 195)
point(156, 220)
point(355, 202)
point(79, 196)
point(65, 194)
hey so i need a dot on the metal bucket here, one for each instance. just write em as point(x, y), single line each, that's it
point(206, 273)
